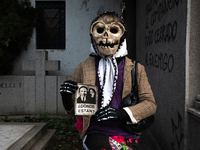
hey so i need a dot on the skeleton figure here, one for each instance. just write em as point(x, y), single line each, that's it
point(107, 35)
point(110, 70)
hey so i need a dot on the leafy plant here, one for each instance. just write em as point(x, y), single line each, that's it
point(6, 119)
point(17, 20)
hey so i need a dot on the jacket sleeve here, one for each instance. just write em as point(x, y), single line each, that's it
point(146, 105)
point(77, 77)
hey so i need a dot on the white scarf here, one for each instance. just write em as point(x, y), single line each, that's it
point(108, 72)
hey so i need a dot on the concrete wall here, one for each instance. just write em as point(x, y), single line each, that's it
point(21, 95)
point(193, 75)
point(79, 15)
point(161, 47)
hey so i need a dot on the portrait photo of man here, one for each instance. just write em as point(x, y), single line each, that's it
point(83, 91)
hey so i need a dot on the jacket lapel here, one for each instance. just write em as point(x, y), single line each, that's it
point(89, 71)
point(127, 77)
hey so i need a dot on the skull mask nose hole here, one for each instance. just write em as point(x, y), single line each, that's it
point(105, 34)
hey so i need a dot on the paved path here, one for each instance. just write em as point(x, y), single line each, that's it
point(9, 134)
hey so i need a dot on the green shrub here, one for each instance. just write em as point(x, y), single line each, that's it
point(17, 20)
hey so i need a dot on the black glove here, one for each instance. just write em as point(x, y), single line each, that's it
point(110, 113)
point(68, 88)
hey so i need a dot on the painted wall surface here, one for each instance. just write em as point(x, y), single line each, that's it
point(79, 15)
point(160, 47)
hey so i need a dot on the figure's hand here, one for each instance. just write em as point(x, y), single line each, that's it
point(110, 113)
point(68, 88)
point(107, 113)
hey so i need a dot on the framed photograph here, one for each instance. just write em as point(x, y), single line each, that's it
point(86, 100)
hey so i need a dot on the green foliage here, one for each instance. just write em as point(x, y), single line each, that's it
point(17, 20)
point(6, 119)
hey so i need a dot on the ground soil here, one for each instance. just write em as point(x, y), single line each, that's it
point(66, 136)
point(64, 142)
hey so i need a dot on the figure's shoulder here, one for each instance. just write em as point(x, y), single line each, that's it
point(87, 61)
point(128, 61)
point(90, 59)
point(88, 64)
point(132, 62)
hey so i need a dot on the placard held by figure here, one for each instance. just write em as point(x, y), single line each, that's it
point(86, 100)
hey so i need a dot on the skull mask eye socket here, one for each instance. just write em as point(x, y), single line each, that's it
point(114, 30)
point(100, 30)
point(117, 28)
point(99, 27)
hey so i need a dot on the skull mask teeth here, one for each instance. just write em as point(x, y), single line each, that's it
point(111, 45)
point(107, 32)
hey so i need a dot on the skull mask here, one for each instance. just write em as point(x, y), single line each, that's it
point(107, 32)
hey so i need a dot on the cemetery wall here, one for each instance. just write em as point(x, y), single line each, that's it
point(19, 95)
point(79, 15)
point(161, 47)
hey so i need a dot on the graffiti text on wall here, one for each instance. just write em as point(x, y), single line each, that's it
point(161, 61)
point(156, 32)
point(164, 33)
point(177, 131)
point(160, 29)
point(10, 85)
point(155, 10)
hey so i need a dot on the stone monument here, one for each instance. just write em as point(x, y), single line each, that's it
point(161, 47)
point(39, 94)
